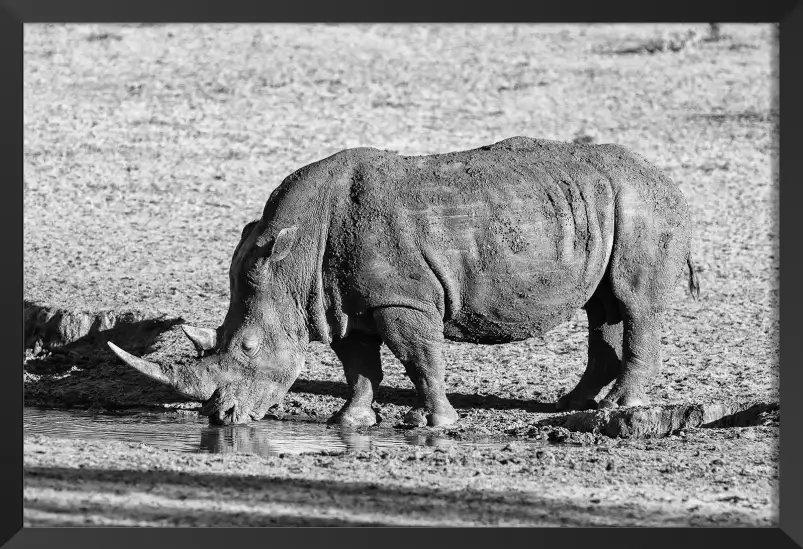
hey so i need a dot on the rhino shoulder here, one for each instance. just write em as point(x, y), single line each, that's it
point(358, 155)
point(516, 143)
point(621, 155)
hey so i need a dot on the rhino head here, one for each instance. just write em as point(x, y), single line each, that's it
point(249, 363)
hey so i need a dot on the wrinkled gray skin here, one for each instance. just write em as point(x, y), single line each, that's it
point(491, 245)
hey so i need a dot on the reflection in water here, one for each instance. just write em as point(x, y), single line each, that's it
point(270, 437)
point(193, 434)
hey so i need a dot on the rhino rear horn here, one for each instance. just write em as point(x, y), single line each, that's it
point(204, 339)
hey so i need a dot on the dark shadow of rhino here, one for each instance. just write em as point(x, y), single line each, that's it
point(406, 397)
point(71, 365)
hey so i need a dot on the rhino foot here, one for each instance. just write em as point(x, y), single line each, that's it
point(567, 403)
point(357, 416)
point(421, 417)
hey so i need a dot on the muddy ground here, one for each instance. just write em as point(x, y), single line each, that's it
point(712, 478)
point(148, 147)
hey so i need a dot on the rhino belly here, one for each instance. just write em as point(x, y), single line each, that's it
point(499, 308)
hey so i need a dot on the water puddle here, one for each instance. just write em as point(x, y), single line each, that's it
point(193, 434)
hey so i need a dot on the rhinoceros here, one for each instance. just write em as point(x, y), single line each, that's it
point(491, 245)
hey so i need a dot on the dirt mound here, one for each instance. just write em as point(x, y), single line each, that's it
point(53, 328)
point(658, 421)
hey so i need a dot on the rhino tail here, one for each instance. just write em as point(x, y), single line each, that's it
point(694, 282)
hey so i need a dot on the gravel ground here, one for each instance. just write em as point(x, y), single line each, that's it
point(148, 147)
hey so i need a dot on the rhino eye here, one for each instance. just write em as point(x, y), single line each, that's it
point(250, 346)
point(265, 241)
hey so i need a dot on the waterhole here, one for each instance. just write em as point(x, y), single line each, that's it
point(190, 433)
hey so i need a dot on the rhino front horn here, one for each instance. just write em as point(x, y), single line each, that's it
point(150, 369)
point(203, 339)
point(194, 383)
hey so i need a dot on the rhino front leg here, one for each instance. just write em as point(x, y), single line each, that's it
point(604, 359)
point(359, 354)
point(416, 338)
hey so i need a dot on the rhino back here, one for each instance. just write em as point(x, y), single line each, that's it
point(505, 241)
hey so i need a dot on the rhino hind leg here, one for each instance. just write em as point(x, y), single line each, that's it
point(416, 339)
point(362, 365)
point(646, 265)
point(604, 355)
point(641, 352)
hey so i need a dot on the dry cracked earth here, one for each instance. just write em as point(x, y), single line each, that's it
point(148, 147)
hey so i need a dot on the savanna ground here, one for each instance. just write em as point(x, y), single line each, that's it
point(147, 148)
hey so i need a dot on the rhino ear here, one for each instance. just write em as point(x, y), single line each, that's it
point(247, 228)
point(284, 241)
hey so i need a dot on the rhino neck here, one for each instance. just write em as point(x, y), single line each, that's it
point(316, 229)
point(310, 198)
point(304, 270)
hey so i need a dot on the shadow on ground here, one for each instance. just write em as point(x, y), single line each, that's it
point(67, 361)
point(406, 397)
point(187, 499)
point(71, 365)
